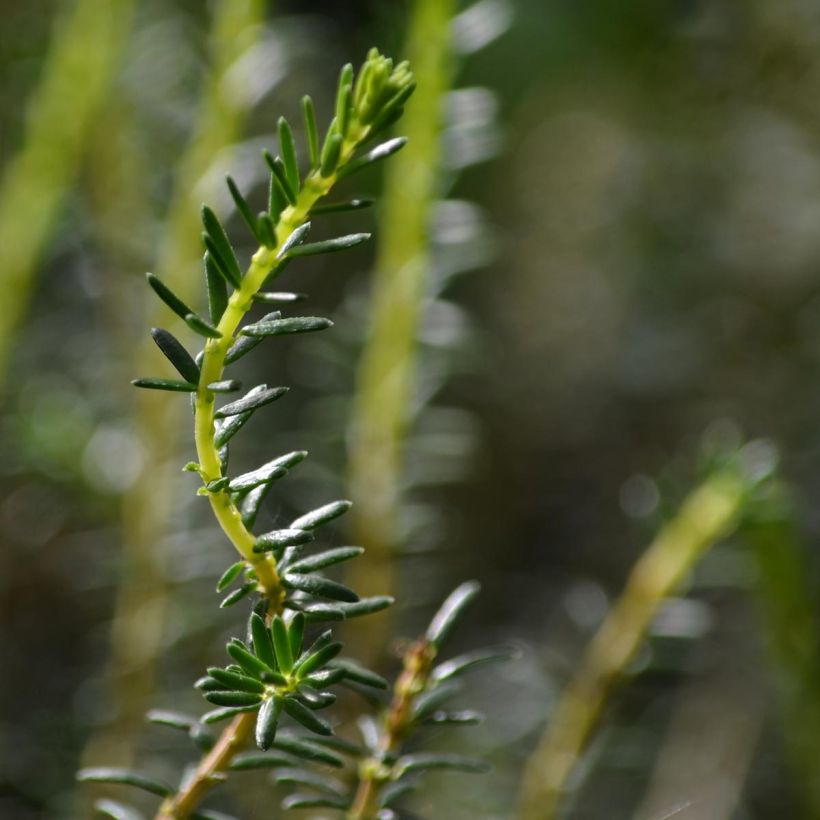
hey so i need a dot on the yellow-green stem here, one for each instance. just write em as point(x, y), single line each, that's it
point(213, 766)
point(707, 515)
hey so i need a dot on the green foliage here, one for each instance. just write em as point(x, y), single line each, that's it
point(276, 672)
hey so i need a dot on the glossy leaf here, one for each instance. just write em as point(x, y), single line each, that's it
point(357, 673)
point(174, 351)
point(262, 646)
point(233, 698)
point(252, 665)
point(301, 714)
point(296, 238)
point(277, 540)
point(250, 504)
point(317, 585)
point(173, 385)
point(242, 206)
point(321, 515)
point(118, 811)
point(311, 130)
point(281, 645)
point(450, 612)
point(220, 247)
point(331, 151)
point(225, 386)
point(279, 297)
point(469, 660)
point(340, 243)
point(380, 152)
point(168, 296)
point(237, 595)
point(200, 326)
point(337, 207)
point(317, 659)
point(296, 633)
point(288, 149)
point(223, 713)
point(267, 721)
point(324, 559)
point(277, 168)
point(306, 750)
point(217, 290)
point(254, 760)
point(236, 681)
point(341, 611)
point(174, 720)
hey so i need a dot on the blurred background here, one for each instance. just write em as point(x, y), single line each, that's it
point(619, 259)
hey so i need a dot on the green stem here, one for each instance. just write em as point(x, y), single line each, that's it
point(213, 766)
point(707, 515)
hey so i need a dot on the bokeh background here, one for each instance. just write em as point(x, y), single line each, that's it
point(623, 257)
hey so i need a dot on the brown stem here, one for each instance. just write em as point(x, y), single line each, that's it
point(374, 771)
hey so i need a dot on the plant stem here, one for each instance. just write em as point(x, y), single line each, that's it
point(373, 772)
point(233, 738)
point(386, 372)
point(708, 514)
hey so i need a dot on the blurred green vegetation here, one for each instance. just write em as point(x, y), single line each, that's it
point(652, 194)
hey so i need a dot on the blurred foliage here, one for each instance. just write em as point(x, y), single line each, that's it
point(655, 201)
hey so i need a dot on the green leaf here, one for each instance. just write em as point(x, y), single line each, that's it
point(281, 645)
point(340, 243)
point(252, 665)
point(297, 236)
point(125, 777)
point(236, 681)
point(324, 678)
point(243, 207)
point(227, 428)
point(296, 634)
point(306, 750)
point(280, 296)
point(450, 612)
point(336, 207)
point(393, 792)
point(311, 130)
point(262, 645)
point(179, 357)
point(252, 400)
point(293, 324)
point(325, 559)
point(307, 801)
point(317, 659)
point(217, 289)
point(331, 152)
point(250, 504)
point(469, 660)
point(277, 540)
point(301, 714)
point(254, 760)
point(340, 612)
point(429, 701)
point(425, 761)
point(215, 715)
point(277, 199)
point(302, 777)
point(268, 472)
point(208, 684)
point(117, 811)
point(207, 814)
point(244, 344)
point(237, 595)
point(218, 263)
point(322, 640)
point(380, 152)
point(200, 326)
point(288, 149)
point(174, 720)
point(317, 585)
point(220, 247)
point(232, 698)
point(267, 721)
point(267, 229)
point(225, 386)
point(357, 673)
point(165, 384)
point(344, 89)
point(168, 296)
point(278, 169)
point(322, 515)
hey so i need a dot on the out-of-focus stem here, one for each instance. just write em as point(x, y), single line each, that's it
point(383, 397)
point(82, 59)
point(140, 608)
point(709, 513)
